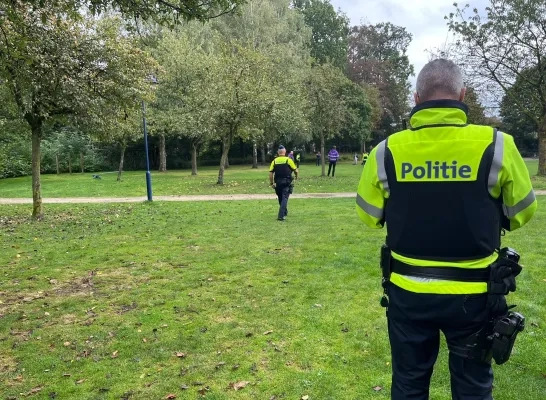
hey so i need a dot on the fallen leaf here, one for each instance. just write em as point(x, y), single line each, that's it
point(239, 385)
point(79, 382)
point(145, 340)
point(377, 388)
point(305, 397)
point(66, 344)
point(268, 332)
point(170, 396)
point(34, 390)
point(115, 354)
point(67, 375)
point(179, 354)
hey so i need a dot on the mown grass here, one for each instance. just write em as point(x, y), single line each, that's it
point(96, 300)
point(237, 180)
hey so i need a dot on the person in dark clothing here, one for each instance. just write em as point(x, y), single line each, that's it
point(318, 158)
point(333, 156)
point(280, 177)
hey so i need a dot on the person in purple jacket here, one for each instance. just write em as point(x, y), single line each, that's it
point(333, 156)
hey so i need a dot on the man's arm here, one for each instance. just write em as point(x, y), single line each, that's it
point(514, 182)
point(271, 170)
point(293, 167)
point(371, 195)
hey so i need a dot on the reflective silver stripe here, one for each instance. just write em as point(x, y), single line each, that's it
point(422, 280)
point(368, 208)
point(381, 172)
point(511, 212)
point(497, 162)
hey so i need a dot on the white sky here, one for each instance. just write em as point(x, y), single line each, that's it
point(424, 19)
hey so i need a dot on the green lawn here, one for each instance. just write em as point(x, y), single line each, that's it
point(97, 300)
point(237, 180)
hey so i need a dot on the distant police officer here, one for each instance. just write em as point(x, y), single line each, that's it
point(446, 190)
point(280, 177)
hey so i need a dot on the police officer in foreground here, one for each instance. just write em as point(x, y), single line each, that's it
point(280, 177)
point(447, 191)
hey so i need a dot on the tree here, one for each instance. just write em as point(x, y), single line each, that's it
point(377, 57)
point(278, 32)
point(499, 50)
point(165, 12)
point(329, 31)
point(236, 96)
point(514, 121)
point(476, 114)
point(184, 57)
point(336, 103)
point(58, 68)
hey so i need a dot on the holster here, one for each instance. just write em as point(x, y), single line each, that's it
point(386, 269)
point(496, 340)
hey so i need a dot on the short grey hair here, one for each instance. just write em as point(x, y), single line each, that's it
point(439, 77)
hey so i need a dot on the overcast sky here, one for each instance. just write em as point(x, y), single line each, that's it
point(424, 19)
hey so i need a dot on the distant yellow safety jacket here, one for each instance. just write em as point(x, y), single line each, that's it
point(445, 190)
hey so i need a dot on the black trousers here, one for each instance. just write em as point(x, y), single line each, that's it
point(283, 193)
point(415, 321)
point(330, 168)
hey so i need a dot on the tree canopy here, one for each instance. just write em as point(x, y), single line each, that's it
point(503, 48)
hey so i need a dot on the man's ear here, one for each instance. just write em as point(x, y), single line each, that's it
point(463, 93)
point(416, 98)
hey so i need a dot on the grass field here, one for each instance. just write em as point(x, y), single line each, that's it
point(237, 180)
point(196, 299)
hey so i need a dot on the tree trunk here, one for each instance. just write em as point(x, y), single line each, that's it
point(123, 147)
point(254, 155)
point(37, 209)
point(263, 155)
point(70, 164)
point(363, 147)
point(81, 163)
point(194, 158)
point(57, 163)
point(322, 155)
point(226, 144)
point(162, 154)
point(542, 148)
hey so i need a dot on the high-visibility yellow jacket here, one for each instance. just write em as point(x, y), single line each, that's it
point(445, 190)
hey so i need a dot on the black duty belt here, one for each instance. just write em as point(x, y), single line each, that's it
point(443, 273)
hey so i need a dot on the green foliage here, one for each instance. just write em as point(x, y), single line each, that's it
point(377, 57)
point(520, 111)
point(165, 12)
point(476, 113)
point(503, 49)
point(329, 31)
point(337, 104)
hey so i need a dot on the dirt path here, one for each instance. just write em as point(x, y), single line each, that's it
point(60, 200)
point(215, 197)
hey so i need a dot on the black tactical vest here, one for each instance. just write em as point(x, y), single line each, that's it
point(443, 221)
